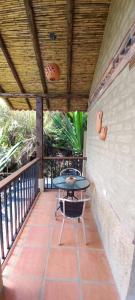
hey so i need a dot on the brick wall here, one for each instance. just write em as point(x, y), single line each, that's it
point(120, 19)
point(111, 166)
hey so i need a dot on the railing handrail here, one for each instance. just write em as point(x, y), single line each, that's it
point(6, 181)
point(64, 157)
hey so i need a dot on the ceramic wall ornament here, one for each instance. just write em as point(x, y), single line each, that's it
point(103, 133)
point(52, 72)
point(99, 121)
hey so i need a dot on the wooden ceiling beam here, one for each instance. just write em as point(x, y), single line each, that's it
point(12, 68)
point(70, 7)
point(7, 100)
point(51, 95)
point(36, 46)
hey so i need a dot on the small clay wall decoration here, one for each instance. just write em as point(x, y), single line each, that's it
point(103, 133)
point(52, 72)
point(99, 121)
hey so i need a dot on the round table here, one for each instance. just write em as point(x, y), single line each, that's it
point(81, 183)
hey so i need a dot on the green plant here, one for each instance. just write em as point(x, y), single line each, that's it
point(4, 160)
point(18, 135)
point(68, 131)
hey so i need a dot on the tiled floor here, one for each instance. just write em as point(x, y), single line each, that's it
point(39, 269)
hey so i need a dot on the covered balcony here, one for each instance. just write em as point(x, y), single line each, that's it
point(37, 267)
point(67, 56)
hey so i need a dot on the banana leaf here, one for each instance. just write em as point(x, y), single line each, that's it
point(69, 130)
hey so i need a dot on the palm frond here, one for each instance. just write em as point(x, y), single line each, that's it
point(6, 158)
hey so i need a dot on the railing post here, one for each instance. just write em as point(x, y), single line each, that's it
point(39, 138)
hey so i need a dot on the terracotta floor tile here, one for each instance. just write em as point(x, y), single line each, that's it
point(59, 219)
point(32, 261)
point(46, 199)
point(68, 236)
point(93, 239)
point(47, 210)
point(94, 265)
point(61, 291)
point(89, 221)
point(62, 263)
point(18, 248)
point(38, 236)
point(29, 259)
point(25, 231)
point(11, 263)
point(21, 289)
point(99, 292)
point(40, 219)
point(44, 206)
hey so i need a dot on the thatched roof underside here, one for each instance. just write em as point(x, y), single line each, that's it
point(79, 26)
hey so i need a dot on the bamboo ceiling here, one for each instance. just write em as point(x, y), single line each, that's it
point(26, 48)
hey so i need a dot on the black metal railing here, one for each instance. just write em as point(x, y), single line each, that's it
point(17, 194)
point(53, 166)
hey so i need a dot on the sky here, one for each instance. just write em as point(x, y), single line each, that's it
point(2, 102)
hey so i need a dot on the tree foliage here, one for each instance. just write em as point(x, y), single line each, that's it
point(6, 158)
point(68, 131)
point(18, 134)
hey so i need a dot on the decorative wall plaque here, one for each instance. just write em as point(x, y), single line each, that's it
point(99, 121)
point(103, 133)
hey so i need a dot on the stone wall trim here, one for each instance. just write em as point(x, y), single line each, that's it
point(122, 57)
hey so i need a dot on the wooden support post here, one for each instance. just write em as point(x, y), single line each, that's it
point(70, 7)
point(39, 138)
point(36, 45)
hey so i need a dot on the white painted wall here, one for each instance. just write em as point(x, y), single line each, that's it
point(120, 19)
point(111, 165)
